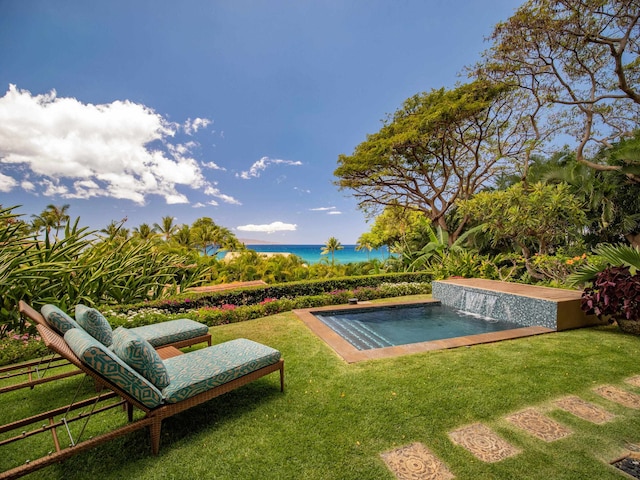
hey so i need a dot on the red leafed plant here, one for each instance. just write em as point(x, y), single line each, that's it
point(615, 295)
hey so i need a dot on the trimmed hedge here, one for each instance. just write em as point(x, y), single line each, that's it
point(290, 290)
point(232, 313)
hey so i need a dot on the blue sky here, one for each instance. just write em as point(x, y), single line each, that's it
point(234, 110)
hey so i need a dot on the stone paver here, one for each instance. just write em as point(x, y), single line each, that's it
point(483, 443)
point(635, 381)
point(539, 425)
point(584, 410)
point(416, 462)
point(615, 394)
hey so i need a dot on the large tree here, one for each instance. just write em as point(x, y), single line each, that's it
point(439, 147)
point(581, 58)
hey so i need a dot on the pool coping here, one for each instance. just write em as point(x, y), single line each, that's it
point(351, 354)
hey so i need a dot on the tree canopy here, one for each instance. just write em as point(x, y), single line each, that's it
point(579, 57)
point(439, 147)
point(535, 219)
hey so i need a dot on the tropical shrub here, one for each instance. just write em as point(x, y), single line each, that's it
point(78, 268)
point(607, 255)
point(615, 296)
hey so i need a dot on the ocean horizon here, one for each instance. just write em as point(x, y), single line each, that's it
point(311, 253)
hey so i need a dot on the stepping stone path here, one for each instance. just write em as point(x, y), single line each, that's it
point(617, 395)
point(539, 425)
point(584, 410)
point(483, 443)
point(635, 381)
point(416, 462)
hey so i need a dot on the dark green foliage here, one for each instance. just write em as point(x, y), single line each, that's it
point(291, 290)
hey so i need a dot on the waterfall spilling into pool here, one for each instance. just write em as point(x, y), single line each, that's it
point(526, 305)
point(479, 303)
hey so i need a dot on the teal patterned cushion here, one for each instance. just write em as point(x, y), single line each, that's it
point(58, 319)
point(107, 364)
point(140, 355)
point(172, 331)
point(94, 322)
point(201, 370)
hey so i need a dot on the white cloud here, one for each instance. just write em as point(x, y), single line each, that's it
point(213, 166)
point(198, 205)
point(27, 185)
point(270, 228)
point(7, 183)
point(76, 150)
point(192, 126)
point(334, 212)
point(214, 192)
point(258, 167)
point(53, 188)
point(322, 209)
point(302, 190)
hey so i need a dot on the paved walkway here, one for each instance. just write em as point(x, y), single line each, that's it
point(417, 462)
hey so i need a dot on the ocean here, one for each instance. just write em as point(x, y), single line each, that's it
point(311, 253)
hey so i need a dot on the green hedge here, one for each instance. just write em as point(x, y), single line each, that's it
point(232, 313)
point(255, 295)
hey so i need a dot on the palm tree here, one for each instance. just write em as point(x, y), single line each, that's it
point(59, 215)
point(332, 245)
point(167, 228)
point(203, 235)
point(183, 235)
point(365, 242)
point(144, 232)
point(114, 230)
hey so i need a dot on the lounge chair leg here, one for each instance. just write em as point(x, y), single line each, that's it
point(282, 377)
point(154, 430)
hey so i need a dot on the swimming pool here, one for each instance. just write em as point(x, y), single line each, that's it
point(394, 325)
point(458, 336)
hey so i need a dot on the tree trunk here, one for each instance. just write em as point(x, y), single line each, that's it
point(633, 239)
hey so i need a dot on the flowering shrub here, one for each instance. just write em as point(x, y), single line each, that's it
point(17, 348)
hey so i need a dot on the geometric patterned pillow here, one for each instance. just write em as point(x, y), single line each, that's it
point(107, 364)
point(94, 323)
point(136, 352)
point(59, 320)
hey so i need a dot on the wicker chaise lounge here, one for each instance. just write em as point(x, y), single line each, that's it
point(174, 333)
point(189, 379)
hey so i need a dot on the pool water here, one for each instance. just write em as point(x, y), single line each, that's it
point(401, 325)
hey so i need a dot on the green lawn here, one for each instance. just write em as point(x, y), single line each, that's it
point(335, 419)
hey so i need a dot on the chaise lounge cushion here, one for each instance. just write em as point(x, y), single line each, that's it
point(107, 364)
point(94, 323)
point(170, 332)
point(59, 320)
point(201, 370)
point(140, 355)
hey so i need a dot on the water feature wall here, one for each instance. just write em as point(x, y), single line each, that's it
point(526, 305)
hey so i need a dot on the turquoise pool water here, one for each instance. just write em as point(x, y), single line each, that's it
point(389, 326)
